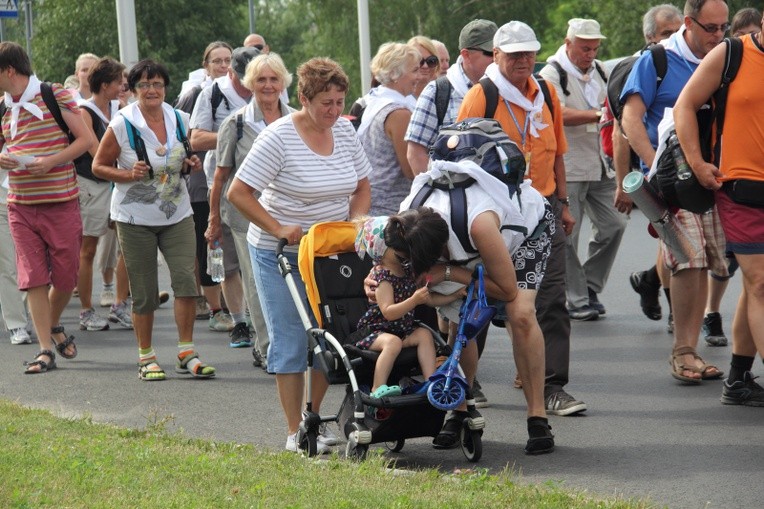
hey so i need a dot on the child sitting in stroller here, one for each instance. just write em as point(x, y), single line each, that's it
point(403, 247)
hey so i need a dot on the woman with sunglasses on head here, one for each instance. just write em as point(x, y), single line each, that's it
point(429, 64)
point(152, 210)
point(384, 122)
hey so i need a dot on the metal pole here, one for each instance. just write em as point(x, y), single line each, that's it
point(364, 44)
point(251, 16)
point(128, 40)
point(28, 16)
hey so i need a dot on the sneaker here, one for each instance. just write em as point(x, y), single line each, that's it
point(326, 435)
point(120, 313)
point(20, 336)
point(221, 322)
point(594, 302)
point(744, 392)
point(648, 295)
point(670, 324)
point(583, 314)
point(477, 392)
point(562, 403)
point(292, 446)
point(90, 320)
point(107, 297)
point(163, 297)
point(240, 336)
point(712, 328)
point(202, 309)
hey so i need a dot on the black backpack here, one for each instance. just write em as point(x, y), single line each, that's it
point(188, 100)
point(49, 98)
point(492, 95)
point(564, 75)
point(621, 71)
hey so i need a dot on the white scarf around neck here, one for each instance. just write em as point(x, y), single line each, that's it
point(249, 118)
point(33, 88)
point(133, 114)
point(378, 98)
point(590, 85)
point(458, 77)
point(678, 45)
point(512, 94)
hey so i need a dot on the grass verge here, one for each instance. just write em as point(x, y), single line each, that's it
point(47, 461)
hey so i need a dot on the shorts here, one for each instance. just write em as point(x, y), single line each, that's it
point(705, 231)
point(743, 226)
point(288, 349)
point(177, 243)
point(95, 201)
point(48, 239)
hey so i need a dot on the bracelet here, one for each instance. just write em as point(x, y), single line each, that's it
point(564, 201)
point(447, 273)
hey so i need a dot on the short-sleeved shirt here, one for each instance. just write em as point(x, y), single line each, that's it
point(160, 201)
point(297, 185)
point(582, 160)
point(40, 138)
point(544, 149)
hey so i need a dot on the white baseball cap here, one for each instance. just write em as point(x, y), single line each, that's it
point(514, 37)
point(584, 29)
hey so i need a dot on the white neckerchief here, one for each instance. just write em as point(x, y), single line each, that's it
point(378, 98)
point(91, 105)
point(512, 94)
point(133, 114)
point(590, 85)
point(234, 99)
point(458, 78)
point(258, 124)
point(33, 88)
point(678, 45)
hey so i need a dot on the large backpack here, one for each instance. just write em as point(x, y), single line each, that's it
point(564, 75)
point(188, 100)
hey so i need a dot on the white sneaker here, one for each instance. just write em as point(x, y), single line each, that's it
point(120, 313)
point(291, 445)
point(20, 336)
point(90, 320)
point(326, 435)
point(107, 297)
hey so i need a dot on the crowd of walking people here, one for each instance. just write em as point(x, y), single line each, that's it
point(107, 176)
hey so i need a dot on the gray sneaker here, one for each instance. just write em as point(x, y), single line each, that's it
point(120, 313)
point(20, 336)
point(92, 321)
point(712, 328)
point(477, 392)
point(221, 322)
point(562, 403)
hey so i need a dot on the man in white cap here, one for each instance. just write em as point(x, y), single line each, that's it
point(580, 82)
point(523, 110)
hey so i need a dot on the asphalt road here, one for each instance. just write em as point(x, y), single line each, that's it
point(644, 435)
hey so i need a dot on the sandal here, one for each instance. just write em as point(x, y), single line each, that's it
point(151, 372)
point(384, 391)
point(190, 364)
point(677, 367)
point(540, 438)
point(44, 366)
point(448, 437)
point(66, 343)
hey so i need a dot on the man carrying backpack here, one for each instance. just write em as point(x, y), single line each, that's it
point(581, 85)
point(530, 113)
point(705, 22)
point(739, 184)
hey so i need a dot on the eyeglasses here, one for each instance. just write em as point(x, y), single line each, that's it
point(484, 52)
point(521, 55)
point(218, 61)
point(712, 29)
point(430, 62)
point(259, 47)
point(157, 85)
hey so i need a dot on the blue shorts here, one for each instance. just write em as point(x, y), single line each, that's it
point(288, 350)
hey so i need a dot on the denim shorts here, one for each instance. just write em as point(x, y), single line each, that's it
point(288, 350)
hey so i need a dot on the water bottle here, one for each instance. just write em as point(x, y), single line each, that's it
point(683, 171)
point(215, 263)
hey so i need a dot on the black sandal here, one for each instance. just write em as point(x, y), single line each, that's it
point(448, 437)
point(66, 343)
point(44, 366)
point(540, 439)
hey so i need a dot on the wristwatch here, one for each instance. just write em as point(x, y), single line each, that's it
point(564, 201)
point(447, 273)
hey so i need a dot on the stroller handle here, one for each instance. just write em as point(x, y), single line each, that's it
point(280, 246)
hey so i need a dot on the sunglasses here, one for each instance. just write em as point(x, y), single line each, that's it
point(431, 62)
point(259, 47)
point(712, 29)
point(484, 52)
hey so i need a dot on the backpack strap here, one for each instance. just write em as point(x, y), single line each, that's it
point(660, 60)
point(217, 97)
point(601, 71)
point(239, 126)
point(732, 59)
point(180, 133)
point(137, 144)
point(564, 76)
point(547, 95)
point(491, 93)
point(443, 89)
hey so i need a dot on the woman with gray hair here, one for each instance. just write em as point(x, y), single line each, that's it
point(387, 115)
point(267, 77)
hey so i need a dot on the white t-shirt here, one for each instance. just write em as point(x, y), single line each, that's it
point(299, 186)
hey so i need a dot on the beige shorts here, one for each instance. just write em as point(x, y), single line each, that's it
point(95, 200)
point(705, 231)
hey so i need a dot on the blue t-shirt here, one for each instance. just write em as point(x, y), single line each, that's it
point(643, 80)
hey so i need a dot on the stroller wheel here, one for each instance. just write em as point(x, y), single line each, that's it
point(395, 445)
point(472, 442)
point(445, 398)
point(308, 442)
point(356, 451)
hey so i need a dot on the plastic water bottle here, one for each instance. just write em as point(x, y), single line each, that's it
point(215, 263)
point(683, 171)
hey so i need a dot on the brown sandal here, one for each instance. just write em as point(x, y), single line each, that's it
point(677, 367)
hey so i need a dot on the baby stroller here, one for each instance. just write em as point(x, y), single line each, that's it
point(334, 275)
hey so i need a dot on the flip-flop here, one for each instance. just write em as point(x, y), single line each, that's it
point(384, 391)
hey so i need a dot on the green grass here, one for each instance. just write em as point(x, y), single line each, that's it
point(47, 461)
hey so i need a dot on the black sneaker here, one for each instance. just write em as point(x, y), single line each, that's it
point(240, 336)
point(594, 302)
point(477, 392)
point(540, 437)
point(712, 328)
point(648, 295)
point(562, 403)
point(745, 392)
point(583, 314)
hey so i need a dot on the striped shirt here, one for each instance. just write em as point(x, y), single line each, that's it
point(299, 186)
point(40, 138)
